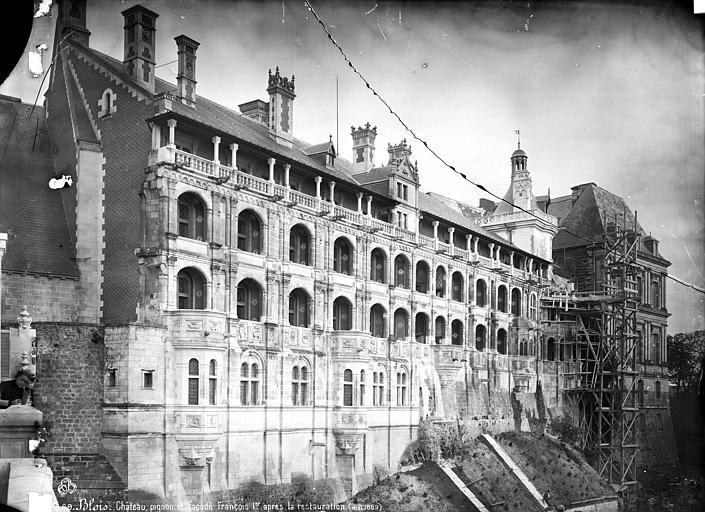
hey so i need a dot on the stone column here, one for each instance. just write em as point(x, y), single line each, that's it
point(216, 149)
point(156, 134)
point(369, 206)
point(451, 232)
point(475, 242)
point(435, 235)
point(233, 155)
point(271, 162)
point(332, 192)
point(287, 168)
point(171, 123)
point(359, 202)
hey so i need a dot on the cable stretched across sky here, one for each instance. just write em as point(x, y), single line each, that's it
point(439, 157)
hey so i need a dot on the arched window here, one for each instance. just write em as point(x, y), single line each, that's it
point(532, 307)
point(551, 349)
point(440, 328)
point(378, 323)
point(456, 332)
point(502, 341)
point(502, 299)
point(249, 384)
point(401, 389)
point(421, 328)
point(401, 271)
point(342, 256)
point(212, 382)
point(377, 265)
point(422, 277)
point(191, 289)
point(361, 394)
point(378, 388)
point(348, 387)
point(249, 232)
point(481, 293)
point(299, 385)
point(192, 218)
point(298, 308)
point(401, 324)
point(249, 300)
point(440, 282)
point(523, 348)
point(342, 314)
point(193, 382)
point(516, 301)
point(300, 245)
point(457, 284)
point(480, 338)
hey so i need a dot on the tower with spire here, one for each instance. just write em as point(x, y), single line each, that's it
point(517, 217)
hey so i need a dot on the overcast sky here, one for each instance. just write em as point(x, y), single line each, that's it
point(610, 93)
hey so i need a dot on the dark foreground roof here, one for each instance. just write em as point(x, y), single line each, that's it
point(31, 213)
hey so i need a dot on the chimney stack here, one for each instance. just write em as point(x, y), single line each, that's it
point(363, 148)
point(281, 108)
point(398, 151)
point(140, 41)
point(72, 20)
point(186, 79)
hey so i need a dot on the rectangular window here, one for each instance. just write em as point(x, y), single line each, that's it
point(406, 193)
point(347, 394)
point(193, 391)
point(406, 221)
point(112, 378)
point(147, 379)
point(399, 190)
point(399, 219)
point(295, 393)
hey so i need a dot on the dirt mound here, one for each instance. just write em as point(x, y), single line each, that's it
point(411, 492)
point(554, 466)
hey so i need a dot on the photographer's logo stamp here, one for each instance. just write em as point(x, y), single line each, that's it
point(66, 486)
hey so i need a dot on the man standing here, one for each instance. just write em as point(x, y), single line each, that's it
point(13, 392)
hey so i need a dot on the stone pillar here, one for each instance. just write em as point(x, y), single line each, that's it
point(359, 202)
point(492, 253)
point(271, 162)
point(435, 235)
point(21, 339)
point(171, 123)
point(475, 242)
point(156, 135)
point(451, 232)
point(318, 180)
point(233, 155)
point(332, 192)
point(216, 149)
point(468, 244)
point(499, 248)
point(511, 261)
point(369, 206)
point(287, 168)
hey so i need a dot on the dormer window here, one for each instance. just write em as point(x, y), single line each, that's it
point(330, 159)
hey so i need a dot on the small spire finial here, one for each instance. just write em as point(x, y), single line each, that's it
point(518, 138)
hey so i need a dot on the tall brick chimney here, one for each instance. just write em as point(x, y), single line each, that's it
point(71, 21)
point(140, 41)
point(281, 108)
point(363, 147)
point(186, 79)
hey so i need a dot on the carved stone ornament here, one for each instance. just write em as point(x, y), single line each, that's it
point(348, 444)
point(24, 320)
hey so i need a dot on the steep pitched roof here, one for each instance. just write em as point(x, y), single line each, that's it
point(594, 208)
point(211, 114)
point(31, 213)
point(432, 204)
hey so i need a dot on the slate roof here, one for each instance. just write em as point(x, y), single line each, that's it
point(594, 208)
point(433, 204)
point(559, 207)
point(31, 213)
point(221, 118)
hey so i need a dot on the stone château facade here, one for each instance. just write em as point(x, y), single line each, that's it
point(266, 307)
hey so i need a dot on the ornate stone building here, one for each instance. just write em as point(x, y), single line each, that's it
point(268, 308)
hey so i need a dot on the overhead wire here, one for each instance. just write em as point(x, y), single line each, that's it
point(441, 159)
